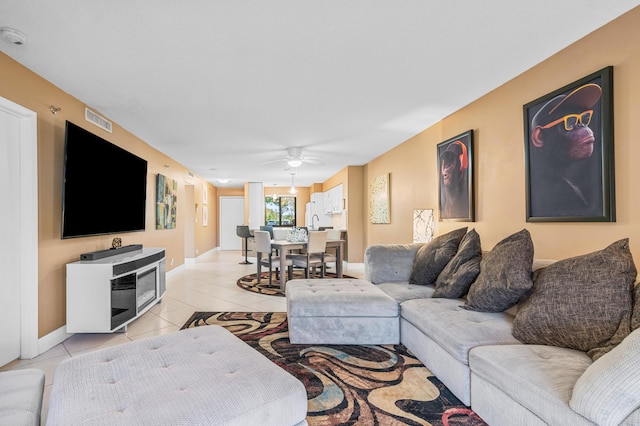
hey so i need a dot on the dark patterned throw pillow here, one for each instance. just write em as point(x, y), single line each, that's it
point(455, 279)
point(505, 275)
point(432, 257)
point(581, 303)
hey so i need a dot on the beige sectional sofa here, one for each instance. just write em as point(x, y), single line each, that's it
point(476, 355)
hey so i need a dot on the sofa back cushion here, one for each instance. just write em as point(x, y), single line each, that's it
point(505, 275)
point(581, 303)
point(432, 257)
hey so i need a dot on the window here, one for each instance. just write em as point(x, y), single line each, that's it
point(280, 211)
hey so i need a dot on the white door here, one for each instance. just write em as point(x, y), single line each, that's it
point(231, 215)
point(19, 230)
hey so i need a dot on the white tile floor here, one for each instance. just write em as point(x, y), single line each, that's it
point(207, 285)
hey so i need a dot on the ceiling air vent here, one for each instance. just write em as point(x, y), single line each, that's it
point(99, 121)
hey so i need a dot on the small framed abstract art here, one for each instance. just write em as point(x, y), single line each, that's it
point(423, 225)
point(379, 199)
point(166, 202)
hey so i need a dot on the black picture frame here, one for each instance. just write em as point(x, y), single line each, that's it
point(455, 178)
point(569, 177)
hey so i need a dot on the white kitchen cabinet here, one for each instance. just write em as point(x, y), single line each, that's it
point(333, 200)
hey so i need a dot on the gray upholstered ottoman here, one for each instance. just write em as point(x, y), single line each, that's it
point(199, 376)
point(341, 311)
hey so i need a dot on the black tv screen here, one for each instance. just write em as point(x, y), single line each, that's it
point(104, 186)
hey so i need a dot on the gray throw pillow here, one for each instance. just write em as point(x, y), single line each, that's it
point(505, 275)
point(432, 257)
point(455, 279)
point(581, 303)
point(635, 316)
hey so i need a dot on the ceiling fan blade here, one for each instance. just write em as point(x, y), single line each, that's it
point(311, 160)
point(279, 160)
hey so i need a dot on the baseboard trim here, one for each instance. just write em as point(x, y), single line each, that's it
point(52, 339)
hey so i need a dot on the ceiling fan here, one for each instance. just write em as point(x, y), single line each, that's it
point(295, 158)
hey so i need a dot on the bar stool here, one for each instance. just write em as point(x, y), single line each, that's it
point(243, 231)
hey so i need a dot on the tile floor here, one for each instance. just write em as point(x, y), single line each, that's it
point(209, 284)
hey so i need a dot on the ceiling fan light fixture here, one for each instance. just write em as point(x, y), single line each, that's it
point(295, 162)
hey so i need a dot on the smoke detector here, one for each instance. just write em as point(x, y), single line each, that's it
point(13, 36)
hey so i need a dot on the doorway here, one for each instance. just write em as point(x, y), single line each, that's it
point(231, 215)
point(19, 227)
point(189, 223)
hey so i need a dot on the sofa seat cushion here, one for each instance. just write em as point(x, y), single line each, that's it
point(405, 291)
point(538, 377)
point(21, 396)
point(455, 329)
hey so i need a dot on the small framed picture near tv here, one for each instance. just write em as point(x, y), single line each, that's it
point(455, 178)
point(166, 202)
point(104, 188)
point(569, 162)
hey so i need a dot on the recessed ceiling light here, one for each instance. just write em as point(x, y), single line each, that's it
point(223, 180)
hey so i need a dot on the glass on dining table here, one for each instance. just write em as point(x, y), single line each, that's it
point(297, 235)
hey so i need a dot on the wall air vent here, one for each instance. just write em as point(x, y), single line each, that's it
point(99, 121)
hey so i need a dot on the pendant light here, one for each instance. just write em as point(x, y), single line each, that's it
point(292, 190)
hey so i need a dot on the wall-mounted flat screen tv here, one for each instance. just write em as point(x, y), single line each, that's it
point(104, 186)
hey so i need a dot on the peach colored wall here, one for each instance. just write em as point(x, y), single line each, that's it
point(351, 178)
point(497, 120)
point(20, 85)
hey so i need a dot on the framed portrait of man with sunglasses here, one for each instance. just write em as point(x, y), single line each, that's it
point(569, 160)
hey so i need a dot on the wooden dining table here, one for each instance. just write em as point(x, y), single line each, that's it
point(284, 247)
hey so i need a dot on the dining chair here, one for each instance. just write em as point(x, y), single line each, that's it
point(268, 228)
point(243, 231)
point(316, 255)
point(333, 234)
point(263, 248)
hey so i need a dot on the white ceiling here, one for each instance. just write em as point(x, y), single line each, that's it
point(225, 87)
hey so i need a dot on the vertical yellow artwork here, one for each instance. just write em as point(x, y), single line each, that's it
point(379, 199)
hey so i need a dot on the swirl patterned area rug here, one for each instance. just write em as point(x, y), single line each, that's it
point(349, 384)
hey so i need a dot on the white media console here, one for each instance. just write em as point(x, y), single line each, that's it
point(105, 294)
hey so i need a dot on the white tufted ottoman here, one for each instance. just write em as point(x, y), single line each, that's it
point(341, 311)
point(199, 376)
